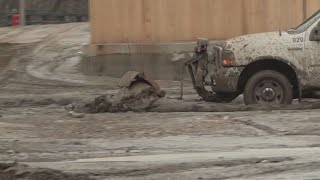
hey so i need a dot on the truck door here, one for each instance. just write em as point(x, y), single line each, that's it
point(312, 48)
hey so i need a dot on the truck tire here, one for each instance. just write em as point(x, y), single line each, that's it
point(268, 87)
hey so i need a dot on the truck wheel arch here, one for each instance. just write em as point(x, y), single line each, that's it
point(266, 63)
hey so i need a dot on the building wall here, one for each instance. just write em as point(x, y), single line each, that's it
point(312, 6)
point(153, 21)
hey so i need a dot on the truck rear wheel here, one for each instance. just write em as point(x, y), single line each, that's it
point(268, 87)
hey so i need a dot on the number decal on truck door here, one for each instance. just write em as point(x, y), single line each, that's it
point(298, 39)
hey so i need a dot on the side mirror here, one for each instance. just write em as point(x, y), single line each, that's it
point(202, 45)
point(315, 33)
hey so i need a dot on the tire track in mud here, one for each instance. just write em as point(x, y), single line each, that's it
point(169, 105)
point(258, 167)
point(53, 37)
point(258, 126)
point(12, 171)
point(61, 65)
point(17, 69)
point(48, 41)
point(136, 172)
point(273, 170)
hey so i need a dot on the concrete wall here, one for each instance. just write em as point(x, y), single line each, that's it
point(153, 21)
point(159, 61)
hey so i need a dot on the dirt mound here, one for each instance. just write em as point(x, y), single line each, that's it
point(139, 97)
point(15, 171)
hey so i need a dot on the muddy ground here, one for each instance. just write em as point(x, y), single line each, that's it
point(41, 78)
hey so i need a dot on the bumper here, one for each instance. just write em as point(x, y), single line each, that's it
point(225, 80)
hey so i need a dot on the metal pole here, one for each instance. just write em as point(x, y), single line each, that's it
point(22, 9)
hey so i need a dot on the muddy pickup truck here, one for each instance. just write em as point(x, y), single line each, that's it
point(268, 68)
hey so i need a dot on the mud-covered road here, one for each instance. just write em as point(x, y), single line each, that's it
point(40, 77)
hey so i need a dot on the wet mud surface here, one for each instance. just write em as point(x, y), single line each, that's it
point(11, 171)
point(147, 100)
point(149, 137)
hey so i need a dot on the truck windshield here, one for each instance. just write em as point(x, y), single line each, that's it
point(306, 24)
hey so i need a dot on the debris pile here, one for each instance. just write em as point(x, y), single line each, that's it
point(138, 93)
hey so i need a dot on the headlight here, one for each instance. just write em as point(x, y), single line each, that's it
point(228, 58)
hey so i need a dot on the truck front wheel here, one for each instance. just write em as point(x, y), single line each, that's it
point(268, 87)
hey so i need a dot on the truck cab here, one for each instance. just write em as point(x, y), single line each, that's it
point(268, 68)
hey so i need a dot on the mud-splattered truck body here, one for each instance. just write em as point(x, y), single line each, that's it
point(273, 67)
